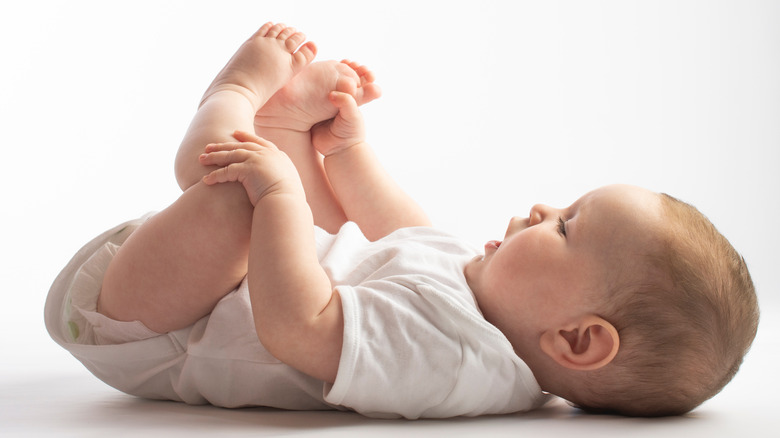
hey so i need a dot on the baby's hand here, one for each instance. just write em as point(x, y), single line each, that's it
point(254, 162)
point(341, 132)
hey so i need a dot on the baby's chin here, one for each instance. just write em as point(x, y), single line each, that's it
point(471, 264)
point(476, 259)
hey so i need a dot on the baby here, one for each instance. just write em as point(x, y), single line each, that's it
point(294, 273)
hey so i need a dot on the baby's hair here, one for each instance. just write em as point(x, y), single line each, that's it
point(685, 321)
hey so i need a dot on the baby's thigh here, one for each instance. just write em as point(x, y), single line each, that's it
point(176, 266)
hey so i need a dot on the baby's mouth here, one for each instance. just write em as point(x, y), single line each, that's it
point(492, 246)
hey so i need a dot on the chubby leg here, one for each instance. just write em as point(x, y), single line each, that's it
point(260, 67)
point(176, 266)
point(326, 210)
point(290, 114)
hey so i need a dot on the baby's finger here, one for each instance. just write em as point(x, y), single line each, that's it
point(346, 104)
point(229, 173)
point(244, 136)
point(347, 85)
point(232, 145)
point(224, 157)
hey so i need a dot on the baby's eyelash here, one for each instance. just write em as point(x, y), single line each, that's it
point(561, 226)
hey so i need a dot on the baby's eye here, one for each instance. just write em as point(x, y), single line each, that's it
point(561, 226)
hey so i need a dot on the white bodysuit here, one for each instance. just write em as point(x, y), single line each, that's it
point(415, 344)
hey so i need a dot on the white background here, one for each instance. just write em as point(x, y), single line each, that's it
point(488, 108)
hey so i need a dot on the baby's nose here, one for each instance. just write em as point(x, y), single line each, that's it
point(537, 214)
point(540, 212)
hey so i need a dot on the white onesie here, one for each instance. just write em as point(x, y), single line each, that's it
point(415, 344)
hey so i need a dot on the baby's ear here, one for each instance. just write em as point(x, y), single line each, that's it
point(587, 344)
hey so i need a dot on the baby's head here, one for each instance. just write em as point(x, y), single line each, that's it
point(626, 301)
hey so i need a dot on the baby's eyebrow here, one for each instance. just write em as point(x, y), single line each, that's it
point(574, 224)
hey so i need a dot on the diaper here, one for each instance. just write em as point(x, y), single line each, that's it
point(84, 324)
point(71, 307)
point(218, 359)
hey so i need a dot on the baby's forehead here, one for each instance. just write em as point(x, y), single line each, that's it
point(620, 216)
point(622, 199)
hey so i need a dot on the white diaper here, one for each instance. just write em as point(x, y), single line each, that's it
point(217, 360)
point(84, 324)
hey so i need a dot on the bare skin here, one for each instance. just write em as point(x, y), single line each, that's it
point(262, 66)
point(245, 199)
point(298, 316)
point(191, 254)
point(175, 268)
point(289, 115)
point(303, 102)
point(369, 195)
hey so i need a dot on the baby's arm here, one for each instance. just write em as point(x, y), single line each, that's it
point(297, 314)
point(367, 193)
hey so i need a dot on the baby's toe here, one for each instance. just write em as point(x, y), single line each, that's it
point(286, 33)
point(305, 55)
point(366, 75)
point(275, 30)
point(263, 31)
point(294, 40)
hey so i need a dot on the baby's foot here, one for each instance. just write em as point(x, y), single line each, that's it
point(304, 102)
point(264, 63)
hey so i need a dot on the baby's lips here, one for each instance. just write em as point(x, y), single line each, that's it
point(492, 245)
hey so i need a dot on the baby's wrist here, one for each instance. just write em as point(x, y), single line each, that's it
point(345, 149)
point(287, 191)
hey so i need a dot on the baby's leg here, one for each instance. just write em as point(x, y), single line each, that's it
point(289, 115)
point(182, 261)
point(260, 67)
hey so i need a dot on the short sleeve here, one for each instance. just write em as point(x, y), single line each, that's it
point(415, 344)
point(414, 353)
point(397, 359)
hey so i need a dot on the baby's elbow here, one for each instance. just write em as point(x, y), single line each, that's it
point(312, 347)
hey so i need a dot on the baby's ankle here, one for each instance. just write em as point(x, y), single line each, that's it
point(233, 92)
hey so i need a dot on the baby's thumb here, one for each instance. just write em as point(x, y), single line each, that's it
point(348, 108)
